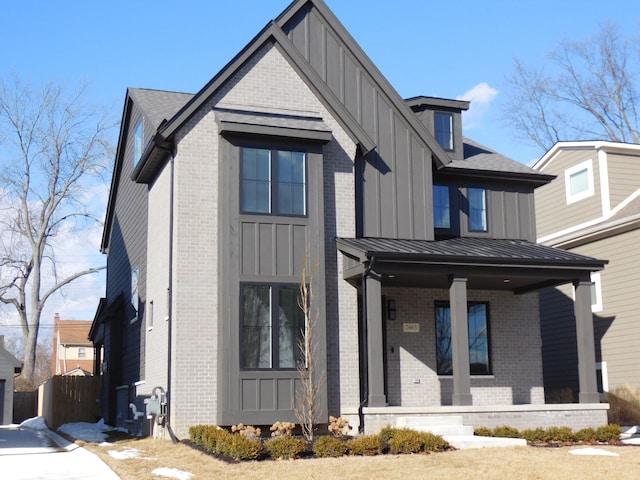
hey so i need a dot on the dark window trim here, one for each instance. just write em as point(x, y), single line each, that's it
point(273, 191)
point(453, 134)
point(487, 201)
point(275, 295)
point(444, 303)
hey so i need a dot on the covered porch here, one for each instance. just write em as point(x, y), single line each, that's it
point(451, 327)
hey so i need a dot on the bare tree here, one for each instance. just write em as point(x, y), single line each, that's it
point(307, 405)
point(587, 90)
point(52, 146)
point(42, 371)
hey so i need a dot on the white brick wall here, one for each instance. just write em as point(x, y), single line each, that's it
point(267, 83)
point(515, 350)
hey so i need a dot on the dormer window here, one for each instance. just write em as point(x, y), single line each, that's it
point(443, 123)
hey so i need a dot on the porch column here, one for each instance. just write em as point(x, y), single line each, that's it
point(375, 372)
point(460, 341)
point(586, 345)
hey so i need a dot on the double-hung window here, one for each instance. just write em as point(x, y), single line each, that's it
point(273, 182)
point(477, 201)
point(272, 326)
point(478, 316)
point(441, 207)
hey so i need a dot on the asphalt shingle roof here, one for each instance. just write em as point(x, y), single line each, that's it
point(159, 105)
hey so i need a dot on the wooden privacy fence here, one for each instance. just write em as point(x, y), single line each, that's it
point(67, 399)
point(25, 405)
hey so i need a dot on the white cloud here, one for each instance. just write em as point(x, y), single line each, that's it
point(480, 96)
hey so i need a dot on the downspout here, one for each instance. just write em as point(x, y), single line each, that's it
point(174, 439)
point(365, 358)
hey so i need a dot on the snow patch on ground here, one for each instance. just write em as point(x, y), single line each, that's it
point(172, 473)
point(89, 432)
point(35, 423)
point(593, 451)
point(124, 454)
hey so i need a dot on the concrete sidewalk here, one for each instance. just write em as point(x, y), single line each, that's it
point(27, 454)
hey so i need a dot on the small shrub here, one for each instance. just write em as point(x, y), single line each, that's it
point(609, 433)
point(329, 446)
point(505, 431)
point(240, 447)
point(282, 429)
point(286, 447)
point(483, 432)
point(534, 435)
point(587, 435)
point(365, 445)
point(387, 433)
point(560, 434)
point(434, 443)
point(339, 426)
point(405, 440)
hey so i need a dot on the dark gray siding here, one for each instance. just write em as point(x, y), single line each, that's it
point(511, 210)
point(559, 347)
point(124, 342)
point(395, 178)
point(266, 249)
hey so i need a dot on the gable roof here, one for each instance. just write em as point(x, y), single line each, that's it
point(73, 332)
point(276, 33)
point(7, 356)
point(156, 107)
point(614, 147)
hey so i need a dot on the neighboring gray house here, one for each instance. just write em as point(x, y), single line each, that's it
point(593, 208)
point(9, 367)
point(299, 147)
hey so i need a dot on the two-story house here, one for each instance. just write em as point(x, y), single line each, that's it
point(72, 352)
point(593, 208)
point(299, 148)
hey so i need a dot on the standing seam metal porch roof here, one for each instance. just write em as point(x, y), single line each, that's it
point(467, 250)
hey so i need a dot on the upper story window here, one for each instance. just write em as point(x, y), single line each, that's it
point(137, 142)
point(579, 181)
point(441, 207)
point(82, 353)
point(272, 327)
point(477, 200)
point(273, 181)
point(443, 126)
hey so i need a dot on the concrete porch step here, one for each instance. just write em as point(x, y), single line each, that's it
point(472, 441)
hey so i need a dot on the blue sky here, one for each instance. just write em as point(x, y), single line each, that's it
point(451, 49)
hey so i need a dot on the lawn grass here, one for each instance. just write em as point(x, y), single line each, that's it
point(490, 463)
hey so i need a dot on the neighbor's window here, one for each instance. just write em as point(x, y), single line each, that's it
point(478, 317)
point(477, 199)
point(81, 352)
point(272, 326)
point(596, 293)
point(444, 129)
point(137, 143)
point(441, 207)
point(579, 181)
point(273, 182)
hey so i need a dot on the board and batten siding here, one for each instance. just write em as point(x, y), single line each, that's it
point(624, 176)
point(553, 214)
point(395, 178)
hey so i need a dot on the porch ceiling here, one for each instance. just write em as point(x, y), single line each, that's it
point(491, 264)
